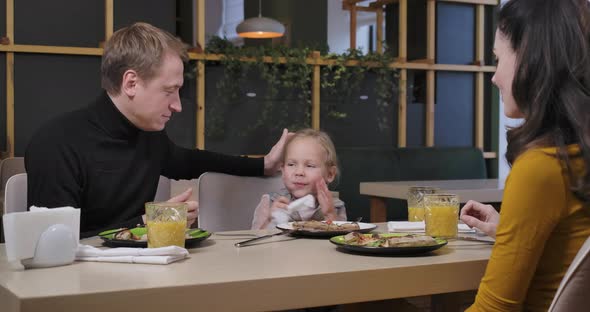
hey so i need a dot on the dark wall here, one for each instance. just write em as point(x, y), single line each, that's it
point(455, 33)
point(156, 12)
point(231, 124)
point(366, 123)
point(59, 22)
point(48, 85)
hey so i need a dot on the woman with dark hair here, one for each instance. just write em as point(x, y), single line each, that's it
point(543, 74)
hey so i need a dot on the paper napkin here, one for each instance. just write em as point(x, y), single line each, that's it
point(406, 226)
point(162, 255)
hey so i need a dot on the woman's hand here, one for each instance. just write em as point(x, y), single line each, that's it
point(325, 200)
point(480, 216)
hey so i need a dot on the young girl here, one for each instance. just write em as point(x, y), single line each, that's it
point(310, 163)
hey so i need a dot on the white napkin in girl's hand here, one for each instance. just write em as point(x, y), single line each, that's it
point(304, 207)
point(162, 255)
point(303, 203)
point(406, 226)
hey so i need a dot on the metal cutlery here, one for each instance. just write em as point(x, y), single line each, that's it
point(249, 241)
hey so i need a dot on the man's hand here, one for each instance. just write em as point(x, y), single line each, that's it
point(274, 158)
point(193, 206)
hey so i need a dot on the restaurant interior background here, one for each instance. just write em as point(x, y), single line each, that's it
point(51, 77)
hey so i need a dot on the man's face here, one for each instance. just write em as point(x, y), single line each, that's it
point(155, 100)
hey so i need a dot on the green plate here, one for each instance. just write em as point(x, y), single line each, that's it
point(197, 236)
point(401, 251)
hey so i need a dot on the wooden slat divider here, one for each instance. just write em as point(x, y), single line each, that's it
point(403, 74)
point(430, 75)
point(479, 77)
point(10, 81)
point(379, 26)
point(200, 111)
point(10, 104)
point(315, 94)
point(109, 19)
point(482, 2)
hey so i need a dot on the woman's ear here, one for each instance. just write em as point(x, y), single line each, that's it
point(129, 83)
point(331, 174)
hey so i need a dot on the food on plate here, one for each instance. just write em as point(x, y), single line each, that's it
point(125, 234)
point(378, 240)
point(319, 226)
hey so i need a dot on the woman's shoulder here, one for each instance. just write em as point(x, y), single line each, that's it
point(541, 162)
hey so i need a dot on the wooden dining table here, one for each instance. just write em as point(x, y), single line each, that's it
point(481, 190)
point(282, 272)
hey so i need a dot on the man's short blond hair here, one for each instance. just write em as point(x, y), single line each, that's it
point(140, 47)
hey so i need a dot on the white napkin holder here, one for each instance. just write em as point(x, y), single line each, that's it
point(42, 237)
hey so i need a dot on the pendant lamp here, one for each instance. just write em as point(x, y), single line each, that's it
point(260, 27)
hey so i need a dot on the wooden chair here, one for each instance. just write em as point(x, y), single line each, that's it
point(227, 202)
point(572, 294)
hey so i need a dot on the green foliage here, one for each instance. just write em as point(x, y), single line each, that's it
point(294, 79)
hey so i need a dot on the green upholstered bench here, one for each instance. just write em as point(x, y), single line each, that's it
point(367, 164)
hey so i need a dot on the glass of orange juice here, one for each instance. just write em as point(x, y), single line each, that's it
point(416, 201)
point(166, 224)
point(441, 215)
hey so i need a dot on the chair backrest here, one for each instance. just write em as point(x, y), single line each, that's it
point(9, 167)
point(227, 202)
point(163, 191)
point(572, 294)
point(15, 193)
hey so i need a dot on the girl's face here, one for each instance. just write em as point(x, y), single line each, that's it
point(305, 164)
point(504, 75)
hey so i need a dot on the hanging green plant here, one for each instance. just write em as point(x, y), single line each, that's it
point(289, 75)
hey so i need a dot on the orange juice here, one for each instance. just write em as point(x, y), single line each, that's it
point(442, 221)
point(415, 213)
point(166, 233)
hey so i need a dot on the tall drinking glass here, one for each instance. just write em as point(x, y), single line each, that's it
point(416, 201)
point(441, 215)
point(166, 224)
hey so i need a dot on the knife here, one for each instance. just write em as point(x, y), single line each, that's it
point(249, 241)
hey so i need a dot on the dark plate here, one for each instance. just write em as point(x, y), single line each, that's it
point(398, 251)
point(109, 241)
point(364, 228)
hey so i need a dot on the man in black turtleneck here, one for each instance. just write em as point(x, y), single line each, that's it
point(107, 158)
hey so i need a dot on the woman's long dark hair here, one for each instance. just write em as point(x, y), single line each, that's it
point(551, 84)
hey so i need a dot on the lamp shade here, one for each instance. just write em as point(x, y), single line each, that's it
point(260, 27)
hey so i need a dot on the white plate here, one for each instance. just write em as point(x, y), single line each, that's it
point(364, 228)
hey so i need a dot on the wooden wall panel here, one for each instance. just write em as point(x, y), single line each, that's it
point(59, 22)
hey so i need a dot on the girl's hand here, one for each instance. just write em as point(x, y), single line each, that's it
point(326, 201)
point(280, 203)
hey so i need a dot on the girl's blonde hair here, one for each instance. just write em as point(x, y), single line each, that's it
point(323, 139)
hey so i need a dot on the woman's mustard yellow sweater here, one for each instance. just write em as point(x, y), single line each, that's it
point(542, 226)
